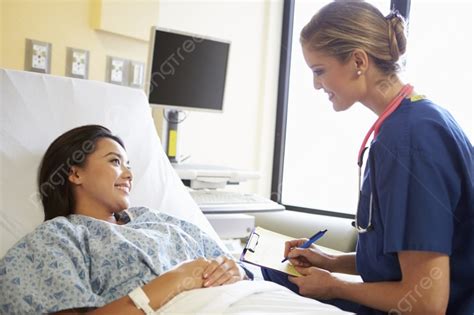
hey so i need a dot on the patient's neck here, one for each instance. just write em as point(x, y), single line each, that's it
point(94, 210)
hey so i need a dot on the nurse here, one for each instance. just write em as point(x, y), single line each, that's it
point(415, 217)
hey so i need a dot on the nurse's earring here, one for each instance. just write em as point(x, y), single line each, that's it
point(359, 72)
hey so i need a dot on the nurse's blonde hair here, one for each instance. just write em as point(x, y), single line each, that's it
point(340, 27)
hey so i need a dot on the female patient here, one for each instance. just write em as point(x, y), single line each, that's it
point(89, 253)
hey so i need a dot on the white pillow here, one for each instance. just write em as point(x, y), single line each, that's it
point(37, 108)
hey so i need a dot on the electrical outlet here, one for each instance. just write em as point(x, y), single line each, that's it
point(116, 73)
point(137, 70)
point(37, 56)
point(117, 70)
point(77, 63)
point(39, 59)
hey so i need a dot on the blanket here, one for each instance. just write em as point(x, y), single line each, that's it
point(245, 297)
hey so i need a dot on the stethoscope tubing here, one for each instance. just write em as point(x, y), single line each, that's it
point(392, 106)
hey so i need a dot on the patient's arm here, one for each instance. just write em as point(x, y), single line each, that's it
point(162, 289)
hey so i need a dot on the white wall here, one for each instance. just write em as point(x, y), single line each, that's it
point(242, 136)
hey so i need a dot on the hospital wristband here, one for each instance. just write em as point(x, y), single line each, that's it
point(141, 301)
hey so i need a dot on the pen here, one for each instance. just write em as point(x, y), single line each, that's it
point(311, 240)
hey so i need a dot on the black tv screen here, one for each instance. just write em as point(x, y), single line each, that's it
point(187, 71)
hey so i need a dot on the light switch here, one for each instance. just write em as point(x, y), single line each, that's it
point(77, 63)
point(117, 70)
point(37, 56)
point(136, 73)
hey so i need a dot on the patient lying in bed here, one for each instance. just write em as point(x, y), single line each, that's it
point(89, 253)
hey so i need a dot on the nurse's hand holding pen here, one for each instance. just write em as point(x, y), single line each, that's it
point(307, 257)
point(316, 267)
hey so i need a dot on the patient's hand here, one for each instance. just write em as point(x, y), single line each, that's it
point(191, 273)
point(222, 270)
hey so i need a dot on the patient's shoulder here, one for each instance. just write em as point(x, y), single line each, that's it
point(50, 236)
point(57, 223)
point(57, 227)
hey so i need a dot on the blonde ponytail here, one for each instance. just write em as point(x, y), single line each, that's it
point(340, 27)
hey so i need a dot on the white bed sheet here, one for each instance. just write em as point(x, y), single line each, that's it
point(243, 298)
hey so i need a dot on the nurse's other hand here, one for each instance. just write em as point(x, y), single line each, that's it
point(222, 270)
point(307, 257)
point(315, 283)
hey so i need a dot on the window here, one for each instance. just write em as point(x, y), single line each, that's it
point(439, 56)
point(316, 148)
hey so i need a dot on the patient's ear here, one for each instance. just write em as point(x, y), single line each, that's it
point(74, 175)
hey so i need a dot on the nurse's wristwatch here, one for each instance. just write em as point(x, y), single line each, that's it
point(141, 301)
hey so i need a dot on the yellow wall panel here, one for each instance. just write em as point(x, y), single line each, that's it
point(66, 23)
point(1, 31)
point(118, 16)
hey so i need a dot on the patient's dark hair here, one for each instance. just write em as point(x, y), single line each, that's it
point(69, 149)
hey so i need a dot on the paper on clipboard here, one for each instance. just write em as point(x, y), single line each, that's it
point(265, 248)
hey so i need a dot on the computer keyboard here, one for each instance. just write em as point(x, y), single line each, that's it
point(224, 197)
point(216, 201)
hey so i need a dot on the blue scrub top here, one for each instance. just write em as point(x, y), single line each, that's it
point(420, 171)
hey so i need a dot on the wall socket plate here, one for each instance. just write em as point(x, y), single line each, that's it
point(117, 70)
point(37, 56)
point(77, 63)
point(136, 74)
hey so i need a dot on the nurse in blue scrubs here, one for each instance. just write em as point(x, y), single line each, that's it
point(415, 217)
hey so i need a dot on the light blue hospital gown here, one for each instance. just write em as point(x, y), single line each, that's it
point(79, 261)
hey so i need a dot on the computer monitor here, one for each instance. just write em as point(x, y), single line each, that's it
point(185, 72)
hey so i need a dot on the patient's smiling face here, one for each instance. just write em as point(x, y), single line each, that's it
point(103, 185)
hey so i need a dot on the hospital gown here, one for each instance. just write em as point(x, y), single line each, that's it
point(79, 261)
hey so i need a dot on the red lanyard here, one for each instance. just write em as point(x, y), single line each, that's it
point(394, 104)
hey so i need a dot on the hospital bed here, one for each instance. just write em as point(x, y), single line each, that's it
point(36, 108)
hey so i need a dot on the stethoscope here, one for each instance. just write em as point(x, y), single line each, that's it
point(394, 104)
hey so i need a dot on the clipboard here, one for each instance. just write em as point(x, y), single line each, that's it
point(265, 248)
